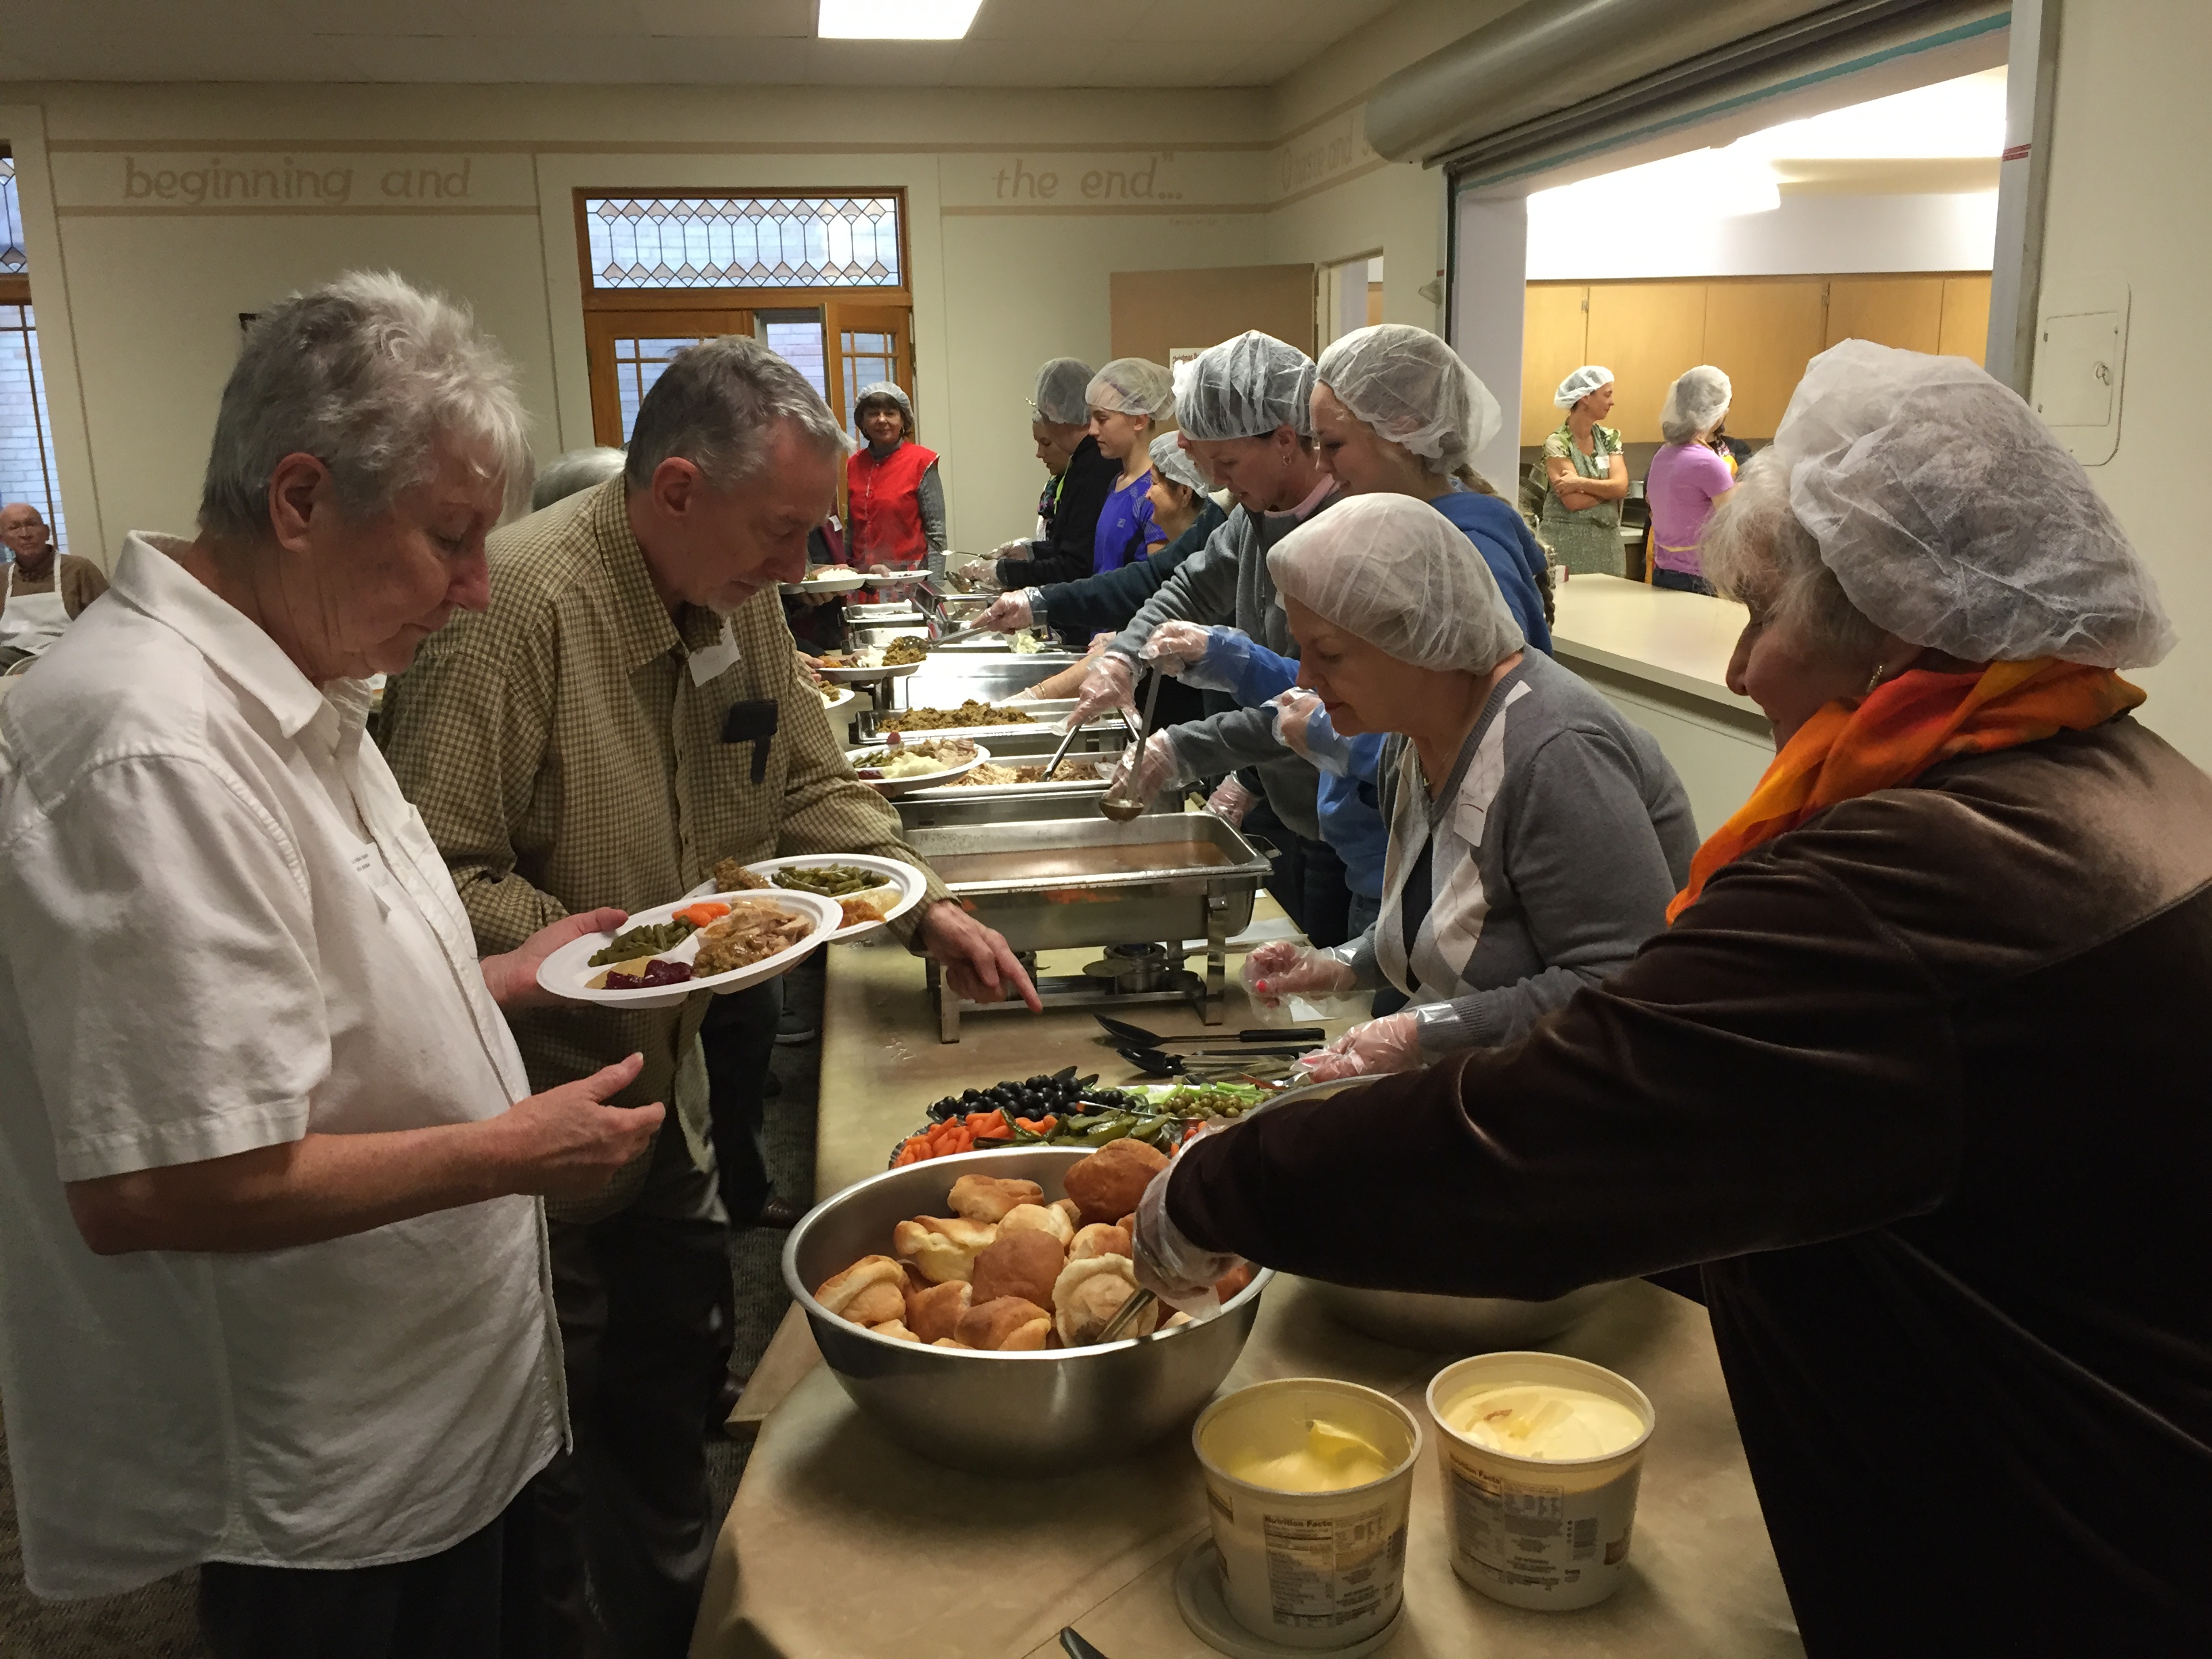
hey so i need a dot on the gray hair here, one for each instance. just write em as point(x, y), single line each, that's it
point(1755, 550)
point(576, 470)
point(372, 376)
point(718, 406)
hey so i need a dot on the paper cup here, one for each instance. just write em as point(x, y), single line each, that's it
point(1538, 1532)
point(1309, 1570)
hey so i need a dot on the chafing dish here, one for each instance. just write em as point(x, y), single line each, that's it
point(1101, 742)
point(1141, 890)
point(1047, 716)
point(881, 616)
point(947, 680)
point(1001, 1413)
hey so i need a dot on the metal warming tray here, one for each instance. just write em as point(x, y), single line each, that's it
point(947, 681)
point(1139, 889)
point(1102, 741)
point(1049, 712)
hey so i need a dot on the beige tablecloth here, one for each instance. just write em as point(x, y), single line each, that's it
point(842, 1546)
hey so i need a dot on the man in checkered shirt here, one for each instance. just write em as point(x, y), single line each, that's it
point(628, 711)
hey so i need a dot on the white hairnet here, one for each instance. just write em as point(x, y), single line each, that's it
point(881, 389)
point(1245, 388)
point(1171, 460)
point(1698, 399)
point(1580, 384)
point(1401, 576)
point(1060, 395)
point(1134, 386)
point(1953, 518)
point(1414, 390)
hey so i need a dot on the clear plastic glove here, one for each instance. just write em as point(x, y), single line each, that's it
point(1204, 659)
point(1177, 646)
point(1018, 548)
point(1283, 968)
point(1007, 612)
point(1392, 1044)
point(1232, 801)
point(1109, 683)
point(1181, 1273)
point(1303, 726)
point(1143, 773)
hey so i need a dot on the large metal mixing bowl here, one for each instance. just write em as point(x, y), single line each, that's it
point(1455, 1324)
point(1001, 1413)
point(1441, 1324)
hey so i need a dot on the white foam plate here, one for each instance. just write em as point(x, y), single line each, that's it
point(896, 578)
point(908, 881)
point(844, 581)
point(569, 973)
point(843, 699)
point(919, 780)
point(837, 676)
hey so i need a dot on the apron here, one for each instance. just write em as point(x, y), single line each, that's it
point(1588, 539)
point(29, 623)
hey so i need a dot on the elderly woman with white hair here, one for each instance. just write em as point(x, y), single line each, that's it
point(1688, 478)
point(274, 1284)
point(1917, 1073)
point(1535, 835)
point(894, 487)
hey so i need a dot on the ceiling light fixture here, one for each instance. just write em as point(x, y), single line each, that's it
point(896, 20)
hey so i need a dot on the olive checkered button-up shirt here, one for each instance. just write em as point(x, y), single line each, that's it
point(564, 757)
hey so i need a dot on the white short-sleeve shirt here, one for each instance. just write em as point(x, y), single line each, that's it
point(223, 928)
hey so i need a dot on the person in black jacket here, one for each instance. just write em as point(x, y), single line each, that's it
point(1060, 424)
point(1107, 599)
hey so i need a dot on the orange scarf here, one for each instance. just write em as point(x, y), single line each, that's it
point(1897, 731)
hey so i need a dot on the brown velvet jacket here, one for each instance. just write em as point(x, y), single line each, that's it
point(1924, 1084)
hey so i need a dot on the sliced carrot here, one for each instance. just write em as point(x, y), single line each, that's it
point(1037, 1125)
point(704, 912)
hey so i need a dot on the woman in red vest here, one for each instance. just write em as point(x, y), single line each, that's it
point(894, 502)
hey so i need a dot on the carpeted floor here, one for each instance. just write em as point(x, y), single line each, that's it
point(159, 1621)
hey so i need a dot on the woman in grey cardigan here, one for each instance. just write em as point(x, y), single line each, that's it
point(1535, 836)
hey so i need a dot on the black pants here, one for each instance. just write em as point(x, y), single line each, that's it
point(646, 1309)
point(738, 1038)
point(447, 1605)
point(1307, 878)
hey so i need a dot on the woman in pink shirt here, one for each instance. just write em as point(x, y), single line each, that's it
point(1687, 477)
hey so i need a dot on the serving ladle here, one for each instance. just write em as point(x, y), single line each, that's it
point(1124, 808)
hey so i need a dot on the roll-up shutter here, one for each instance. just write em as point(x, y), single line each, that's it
point(1498, 103)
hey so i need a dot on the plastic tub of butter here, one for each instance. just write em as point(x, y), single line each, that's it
point(1541, 1457)
point(1309, 1481)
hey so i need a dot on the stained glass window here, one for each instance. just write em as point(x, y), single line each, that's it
point(743, 241)
point(26, 439)
point(12, 262)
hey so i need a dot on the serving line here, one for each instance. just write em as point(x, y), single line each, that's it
point(840, 1542)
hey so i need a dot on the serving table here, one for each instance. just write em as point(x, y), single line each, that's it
point(841, 1543)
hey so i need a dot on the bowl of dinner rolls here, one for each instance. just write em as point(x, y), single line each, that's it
point(961, 1302)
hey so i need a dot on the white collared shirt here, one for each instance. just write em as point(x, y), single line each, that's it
point(224, 928)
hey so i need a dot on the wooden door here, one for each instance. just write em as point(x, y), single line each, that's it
point(626, 350)
point(866, 345)
point(1761, 332)
point(1554, 339)
point(1153, 312)
point(1966, 327)
point(1646, 333)
point(1906, 311)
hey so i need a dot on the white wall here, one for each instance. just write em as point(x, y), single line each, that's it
point(2117, 211)
point(1809, 232)
point(139, 291)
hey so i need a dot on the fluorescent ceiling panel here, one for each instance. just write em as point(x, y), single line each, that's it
point(896, 20)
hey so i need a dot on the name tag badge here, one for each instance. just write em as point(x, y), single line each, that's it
point(717, 659)
point(368, 867)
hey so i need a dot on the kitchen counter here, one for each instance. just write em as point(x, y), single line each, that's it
point(841, 1543)
point(1660, 657)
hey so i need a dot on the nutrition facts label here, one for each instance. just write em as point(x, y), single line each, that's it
point(1327, 1571)
point(1540, 1537)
